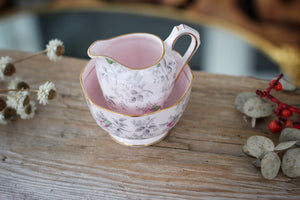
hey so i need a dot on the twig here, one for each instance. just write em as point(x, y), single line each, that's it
point(30, 56)
point(17, 90)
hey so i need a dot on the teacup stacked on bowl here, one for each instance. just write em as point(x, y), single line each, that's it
point(137, 87)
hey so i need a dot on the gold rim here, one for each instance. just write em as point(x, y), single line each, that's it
point(85, 93)
point(161, 57)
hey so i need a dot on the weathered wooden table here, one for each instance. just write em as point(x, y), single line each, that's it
point(63, 154)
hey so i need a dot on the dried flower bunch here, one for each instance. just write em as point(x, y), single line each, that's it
point(266, 153)
point(17, 93)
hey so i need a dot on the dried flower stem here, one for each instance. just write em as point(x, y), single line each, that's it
point(30, 56)
point(4, 95)
point(17, 90)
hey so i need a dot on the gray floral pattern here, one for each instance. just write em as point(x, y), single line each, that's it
point(142, 127)
point(127, 89)
point(135, 130)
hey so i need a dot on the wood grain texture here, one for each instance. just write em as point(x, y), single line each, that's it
point(63, 154)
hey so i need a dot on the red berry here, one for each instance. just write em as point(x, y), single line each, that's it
point(286, 113)
point(275, 127)
point(272, 82)
point(297, 126)
point(289, 123)
point(277, 87)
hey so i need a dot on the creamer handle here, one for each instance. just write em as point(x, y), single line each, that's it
point(177, 32)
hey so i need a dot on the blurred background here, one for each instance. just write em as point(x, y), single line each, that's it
point(257, 38)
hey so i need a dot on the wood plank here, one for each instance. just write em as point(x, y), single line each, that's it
point(63, 154)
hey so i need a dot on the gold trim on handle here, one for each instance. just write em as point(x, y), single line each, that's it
point(195, 48)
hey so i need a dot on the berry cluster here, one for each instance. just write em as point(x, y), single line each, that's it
point(283, 111)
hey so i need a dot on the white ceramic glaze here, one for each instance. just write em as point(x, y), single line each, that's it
point(137, 72)
point(138, 130)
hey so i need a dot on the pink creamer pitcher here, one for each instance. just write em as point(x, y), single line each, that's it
point(136, 72)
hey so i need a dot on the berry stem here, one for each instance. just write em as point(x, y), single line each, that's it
point(274, 83)
point(281, 106)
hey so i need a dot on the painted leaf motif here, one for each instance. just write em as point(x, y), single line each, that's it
point(108, 123)
point(133, 92)
point(155, 108)
point(140, 98)
point(133, 99)
point(110, 61)
point(152, 127)
point(176, 117)
point(140, 129)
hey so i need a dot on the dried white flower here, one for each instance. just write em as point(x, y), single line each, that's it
point(46, 92)
point(18, 100)
point(7, 115)
point(3, 62)
point(55, 49)
point(17, 83)
point(2, 104)
point(2, 118)
point(28, 111)
point(13, 84)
